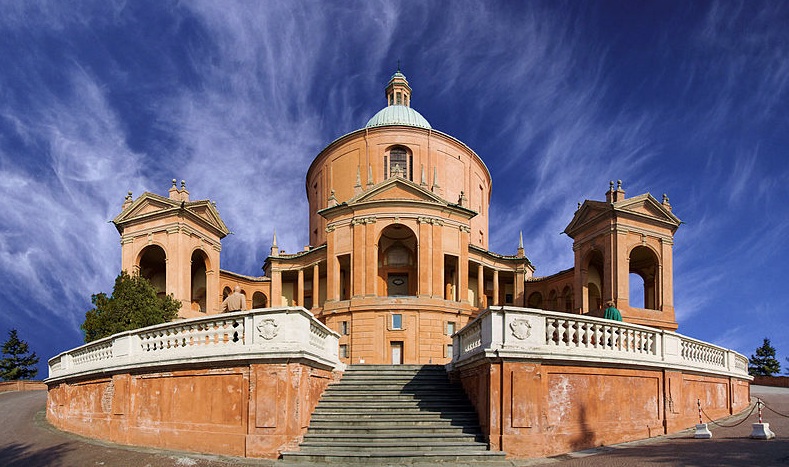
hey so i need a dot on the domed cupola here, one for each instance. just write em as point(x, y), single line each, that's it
point(398, 110)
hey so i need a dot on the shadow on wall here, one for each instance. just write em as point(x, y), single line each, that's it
point(18, 454)
point(586, 435)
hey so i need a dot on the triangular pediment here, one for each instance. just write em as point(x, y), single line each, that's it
point(397, 188)
point(644, 207)
point(648, 207)
point(588, 212)
point(151, 205)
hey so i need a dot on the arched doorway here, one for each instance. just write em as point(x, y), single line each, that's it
point(397, 261)
point(198, 281)
point(153, 266)
point(644, 265)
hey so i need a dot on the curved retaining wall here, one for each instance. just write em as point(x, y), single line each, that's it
point(246, 383)
point(241, 384)
point(546, 383)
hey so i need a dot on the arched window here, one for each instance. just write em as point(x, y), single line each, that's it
point(399, 162)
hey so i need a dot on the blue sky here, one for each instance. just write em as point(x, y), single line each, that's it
point(236, 98)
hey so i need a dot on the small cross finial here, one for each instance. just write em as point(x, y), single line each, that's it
point(398, 64)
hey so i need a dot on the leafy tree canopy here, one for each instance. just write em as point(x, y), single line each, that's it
point(764, 362)
point(17, 362)
point(134, 304)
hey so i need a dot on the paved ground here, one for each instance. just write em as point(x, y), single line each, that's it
point(27, 440)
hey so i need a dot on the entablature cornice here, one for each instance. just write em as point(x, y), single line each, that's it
point(170, 229)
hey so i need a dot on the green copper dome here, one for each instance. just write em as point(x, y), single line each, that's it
point(398, 115)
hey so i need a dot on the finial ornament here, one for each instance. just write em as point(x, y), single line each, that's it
point(183, 184)
point(520, 241)
point(619, 185)
point(129, 195)
point(175, 182)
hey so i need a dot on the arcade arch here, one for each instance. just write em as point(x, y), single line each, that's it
point(397, 262)
point(198, 280)
point(594, 281)
point(644, 265)
point(152, 265)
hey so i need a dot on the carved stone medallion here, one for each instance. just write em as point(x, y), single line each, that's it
point(268, 329)
point(521, 328)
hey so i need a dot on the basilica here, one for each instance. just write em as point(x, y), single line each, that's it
point(398, 256)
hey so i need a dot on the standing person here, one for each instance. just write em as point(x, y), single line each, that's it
point(611, 312)
point(235, 301)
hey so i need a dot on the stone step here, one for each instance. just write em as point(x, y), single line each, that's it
point(404, 437)
point(390, 430)
point(398, 458)
point(371, 419)
point(399, 424)
point(394, 415)
point(396, 444)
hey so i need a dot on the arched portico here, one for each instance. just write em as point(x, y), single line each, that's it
point(398, 263)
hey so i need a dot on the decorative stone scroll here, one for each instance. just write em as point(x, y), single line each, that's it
point(330, 228)
point(430, 220)
point(364, 220)
point(465, 228)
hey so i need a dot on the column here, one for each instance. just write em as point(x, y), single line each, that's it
point(480, 286)
point(424, 269)
point(438, 260)
point(371, 255)
point(316, 283)
point(462, 295)
point(276, 286)
point(496, 287)
point(300, 286)
point(357, 258)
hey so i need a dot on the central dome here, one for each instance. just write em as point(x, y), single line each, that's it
point(398, 115)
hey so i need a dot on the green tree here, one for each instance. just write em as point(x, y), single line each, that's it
point(17, 362)
point(764, 362)
point(134, 304)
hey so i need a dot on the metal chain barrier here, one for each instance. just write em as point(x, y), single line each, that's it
point(729, 426)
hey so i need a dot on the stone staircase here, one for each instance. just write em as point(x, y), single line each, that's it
point(394, 415)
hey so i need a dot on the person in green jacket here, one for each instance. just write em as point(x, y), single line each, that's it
point(611, 312)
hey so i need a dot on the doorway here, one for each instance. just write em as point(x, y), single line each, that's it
point(397, 352)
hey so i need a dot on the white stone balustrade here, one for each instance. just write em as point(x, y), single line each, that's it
point(515, 332)
point(267, 333)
